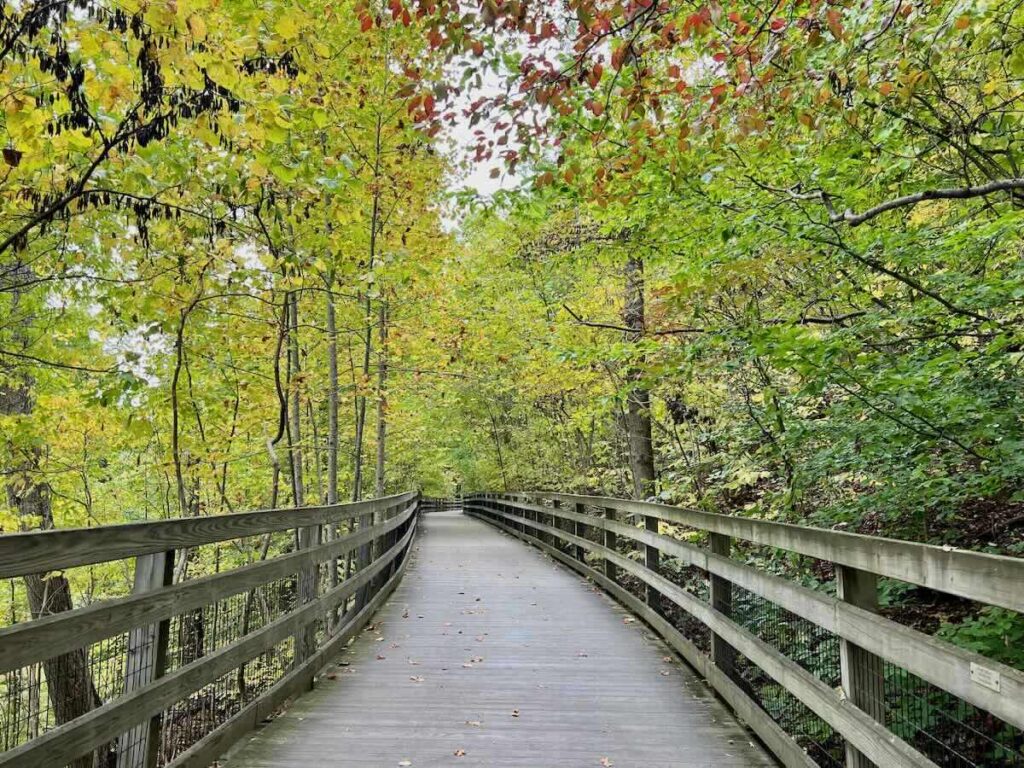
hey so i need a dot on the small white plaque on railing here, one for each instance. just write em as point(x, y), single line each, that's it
point(985, 676)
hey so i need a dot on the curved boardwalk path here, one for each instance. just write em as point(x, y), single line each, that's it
point(489, 654)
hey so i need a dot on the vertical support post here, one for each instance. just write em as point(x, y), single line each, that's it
point(651, 561)
point(722, 654)
point(861, 672)
point(147, 659)
point(579, 529)
point(611, 542)
point(309, 582)
point(556, 522)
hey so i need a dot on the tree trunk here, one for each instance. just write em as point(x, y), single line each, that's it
point(382, 403)
point(637, 419)
point(332, 398)
point(69, 681)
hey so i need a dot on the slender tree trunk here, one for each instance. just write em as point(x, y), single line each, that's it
point(332, 397)
point(295, 412)
point(367, 520)
point(637, 419)
point(382, 402)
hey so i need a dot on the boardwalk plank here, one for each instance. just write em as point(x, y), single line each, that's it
point(566, 679)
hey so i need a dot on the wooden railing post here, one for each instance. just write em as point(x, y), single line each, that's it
point(611, 542)
point(579, 529)
point(309, 582)
point(861, 672)
point(147, 660)
point(651, 560)
point(557, 522)
point(722, 654)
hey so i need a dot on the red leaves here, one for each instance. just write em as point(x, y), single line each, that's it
point(596, 107)
point(594, 76)
point(478, 48)
point(778, 25)
point(365, 22)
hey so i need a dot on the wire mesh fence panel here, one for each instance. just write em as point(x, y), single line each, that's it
point(803, 602)
point(208, 627)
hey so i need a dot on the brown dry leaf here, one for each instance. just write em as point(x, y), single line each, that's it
point(515, 713)
point(417, 678)
point(665, 673)
point(331, 675)
point(473, 723)
point(460, 753)
point(606, 762)
point(381, 657)
point(666, 658)
point(405, 614)
point(628, 620)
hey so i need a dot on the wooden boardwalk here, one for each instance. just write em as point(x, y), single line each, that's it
point(489, 654)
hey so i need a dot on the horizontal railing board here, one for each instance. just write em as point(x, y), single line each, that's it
point(66, 742)
point(986, 578)
point(943, 664)
point(47, 637)
point(781, 744)
point(42, 551)
point(214, 744)
point(869, 736)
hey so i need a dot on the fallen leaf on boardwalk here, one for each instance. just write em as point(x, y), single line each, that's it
point(467, 665)
point(474, 723)
point(331, 675)
point(404, 763)
point(515, 713)
point(606, 762)
point(666, 658)
point(417, 678)
point(414, 663)
point(581, 654)
point(460, 753)
point(381, 657)
point(477, 659)
point(665, 673)
point(628, 620)
point(479, 638)
point(405, 614)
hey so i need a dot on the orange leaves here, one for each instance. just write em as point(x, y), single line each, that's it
point(594, 76)
point(596, 107)
point(365, 22)
point(832, 17)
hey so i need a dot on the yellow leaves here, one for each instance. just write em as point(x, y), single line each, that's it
point(196, 26)
point(287, 27)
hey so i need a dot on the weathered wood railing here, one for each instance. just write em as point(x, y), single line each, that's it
point(179, 668)
point(433, 504)
point(764, 641)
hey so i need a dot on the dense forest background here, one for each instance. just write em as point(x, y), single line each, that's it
point(758, 258)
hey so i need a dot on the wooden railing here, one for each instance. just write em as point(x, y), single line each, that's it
point(175, 671)
point(434, 504)
point(816, 673)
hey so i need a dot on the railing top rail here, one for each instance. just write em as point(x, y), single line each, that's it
point(980, 576)
point(39, 551)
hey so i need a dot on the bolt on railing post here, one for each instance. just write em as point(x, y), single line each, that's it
point(610, 542)
point(722, 654)
point(147, 660)
point(651, 560)
point(862, 673)
point(579, 529)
